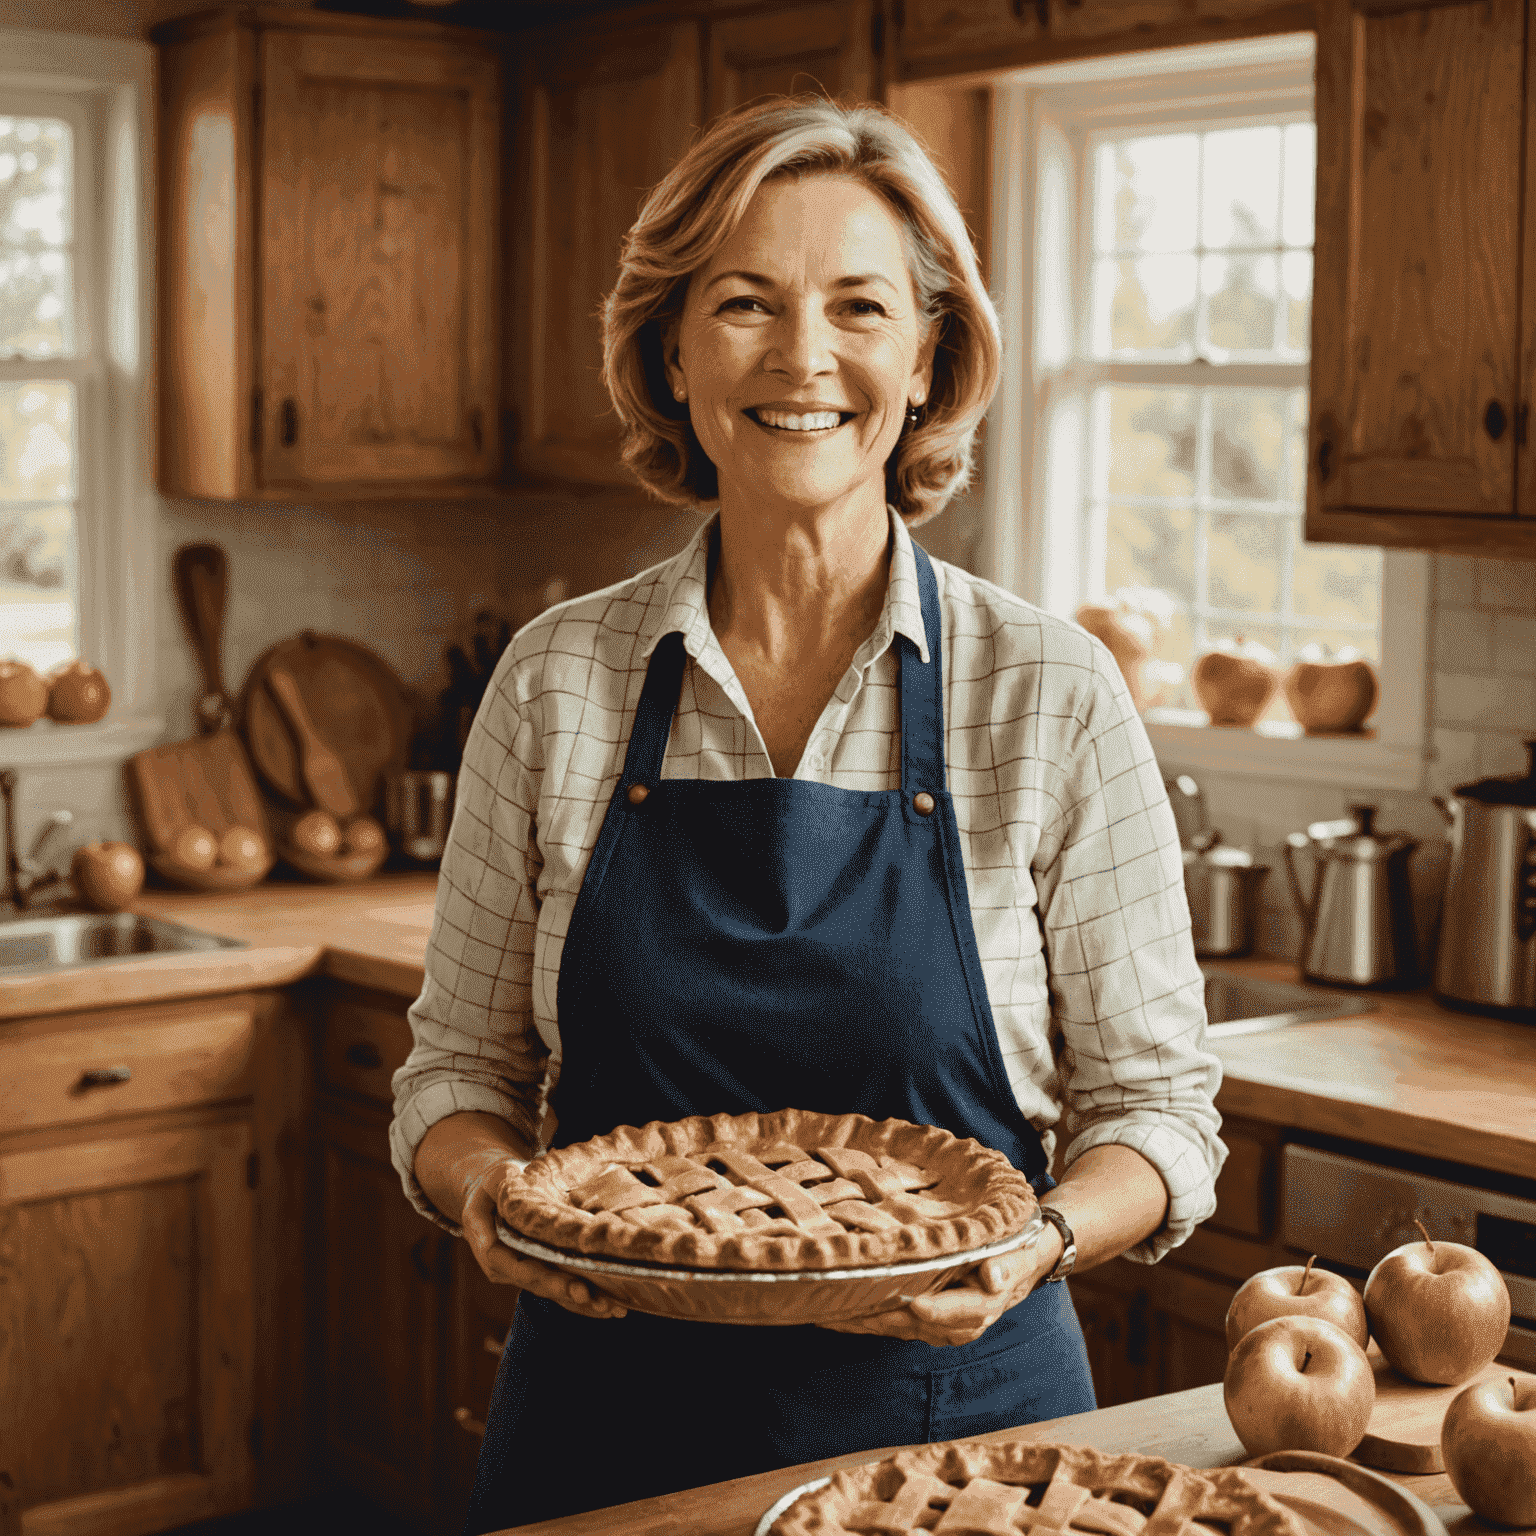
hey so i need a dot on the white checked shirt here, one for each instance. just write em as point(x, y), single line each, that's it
point(1072, 860)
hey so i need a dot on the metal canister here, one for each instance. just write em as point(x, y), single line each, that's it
point(418, 807)
point(1223, 886)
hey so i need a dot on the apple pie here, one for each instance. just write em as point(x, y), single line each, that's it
point(790, 1191)
point(960, 1488)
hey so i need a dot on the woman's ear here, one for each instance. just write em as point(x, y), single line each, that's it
point(922, 370)
point(671, 359)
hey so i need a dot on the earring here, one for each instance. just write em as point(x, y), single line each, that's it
point(680, 393)
point(911, 415)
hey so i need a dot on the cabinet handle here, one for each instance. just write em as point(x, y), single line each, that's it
point(290, 422)
point(1324, 459)
point(364, 1053)
point(105, 1077)
point(1494, 420)
point(1041, 8)
point(466, 1420)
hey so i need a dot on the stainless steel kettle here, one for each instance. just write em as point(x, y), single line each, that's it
point(1486, 958)
point(1359, 911)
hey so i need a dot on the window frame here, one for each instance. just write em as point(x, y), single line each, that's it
point(1043, 125)
point(105, 88)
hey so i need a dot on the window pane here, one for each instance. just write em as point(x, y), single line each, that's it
point(1145, 306)
point(37, 441)
point(38, 581)
point(1151, 547)
point(1364, 641)
point(1337, 582)
point(1242, 188)
point(1145, 193)
point(1152, 433)
point(1300, 180)
point(1247, 442)
point(1296, 303)
point(1245, 561)
point(1241, 301)
point(36, 276)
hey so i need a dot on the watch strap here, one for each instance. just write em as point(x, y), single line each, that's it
point(1069, 1244)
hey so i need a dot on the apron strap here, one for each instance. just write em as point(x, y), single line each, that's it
point(653, 715)
point(922, 691)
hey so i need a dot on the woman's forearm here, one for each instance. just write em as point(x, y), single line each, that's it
point(1112, 1198)
point(456, 1151)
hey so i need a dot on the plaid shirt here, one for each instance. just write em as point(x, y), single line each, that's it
point(1072, 860)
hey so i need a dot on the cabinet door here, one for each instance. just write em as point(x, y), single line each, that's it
point(1115, 1325)
point(827, 48)
point(126, 1328)
point(605, 115)
point(384, 1293)
point(1414, 319)
point(379, 176)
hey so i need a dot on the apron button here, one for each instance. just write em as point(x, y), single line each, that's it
point(922, 803)
point(637, 794)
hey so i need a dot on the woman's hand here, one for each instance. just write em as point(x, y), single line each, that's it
point(962, 1312)
point(506, 1267)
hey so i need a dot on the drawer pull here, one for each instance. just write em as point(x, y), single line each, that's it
point(364, 1053)
point(466, 1420)
point(491, 1345)
point(105, 1077)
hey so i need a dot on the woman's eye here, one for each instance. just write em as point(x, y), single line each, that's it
point(744, 302)
point(864, 307)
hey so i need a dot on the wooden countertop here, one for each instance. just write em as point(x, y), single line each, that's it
point(1411, 1076)
point(1188, 1427)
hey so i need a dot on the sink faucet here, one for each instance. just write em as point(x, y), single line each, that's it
point(25, 875)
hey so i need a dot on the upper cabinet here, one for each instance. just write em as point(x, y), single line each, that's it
point(1423, 347)
point(833, 48)
point(604, 116)
point(329, 266)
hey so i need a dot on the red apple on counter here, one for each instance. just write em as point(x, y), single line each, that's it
point(1235, 680)
point(194, 848)
point(1488, 1440)
point(244, 849)
point(23, 694)
point(77, 694)
point(1299, 1384)
point(1292, 1290)
point(1330, 691)
point(1438, 1310)
point(1129, 638)
point(107, 876)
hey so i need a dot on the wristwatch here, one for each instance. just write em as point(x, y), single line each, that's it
point(1069, 1244)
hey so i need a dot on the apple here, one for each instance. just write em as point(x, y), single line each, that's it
point(77, 694)
point(1293, 1291)
point(317, 832)
point(241, 848)
point(107, 876)
point(1129, 638)
point(362, 835)
point(195, 848)
point(1235, 681)
point(1488, 1440)
point(1298, 1384)
point(1439, 1311)
point(1330, 691)
point(23, 694)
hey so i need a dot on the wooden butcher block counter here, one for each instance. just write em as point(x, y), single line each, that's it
point(1189, 1427)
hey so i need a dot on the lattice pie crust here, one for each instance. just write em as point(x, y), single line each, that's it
point(966, 1489)
point(787, 1191)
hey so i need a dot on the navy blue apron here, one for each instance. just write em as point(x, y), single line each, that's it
point(761, 945)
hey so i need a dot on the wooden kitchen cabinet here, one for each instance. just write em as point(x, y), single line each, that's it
point(329, 256)
point(833, 48)
point(1423, 353)
point(605, 112)
point(140, 1184)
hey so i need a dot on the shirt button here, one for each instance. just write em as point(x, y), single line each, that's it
point(922, 803)
point(637, 794)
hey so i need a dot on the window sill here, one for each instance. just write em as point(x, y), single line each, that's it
point(47, 745)
point(1181, 740)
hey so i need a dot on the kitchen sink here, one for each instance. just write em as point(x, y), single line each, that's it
point(33, 944)
point(1249, 1005)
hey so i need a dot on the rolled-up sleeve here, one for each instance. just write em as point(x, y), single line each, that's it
point(476, 1046)
point(1126, 990)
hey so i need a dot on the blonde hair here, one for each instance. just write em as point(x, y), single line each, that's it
point(695, 209)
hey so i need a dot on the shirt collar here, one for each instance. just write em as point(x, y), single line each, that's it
point(682, 596)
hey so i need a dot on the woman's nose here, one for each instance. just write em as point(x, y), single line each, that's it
point(802, 344)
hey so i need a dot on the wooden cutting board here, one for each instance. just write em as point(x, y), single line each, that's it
point(1416, 1411)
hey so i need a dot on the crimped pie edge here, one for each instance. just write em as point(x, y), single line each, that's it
point(1231, 1497)
point(1003, 1201)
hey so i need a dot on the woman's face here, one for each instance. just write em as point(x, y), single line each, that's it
point(800, 345)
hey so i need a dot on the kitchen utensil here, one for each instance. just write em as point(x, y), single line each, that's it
point(1359, 911)
point(356, 706)
point(319, 767)
point(1188, 802)
point(758, 1297)
point(418, 807)
point(200, 574)
point(1335, 1497)
point(1486, 957)
point(1222, 885)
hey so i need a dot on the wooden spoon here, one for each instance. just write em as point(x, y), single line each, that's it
point(201, 576)
point(319, 766)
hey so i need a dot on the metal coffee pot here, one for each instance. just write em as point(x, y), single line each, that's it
point(1487, 954)
point(1359, 910)
point(1221, 883)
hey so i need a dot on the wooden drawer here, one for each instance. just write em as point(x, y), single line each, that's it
point(69, 1068)
point(363, 1042)
point(1245, 1185)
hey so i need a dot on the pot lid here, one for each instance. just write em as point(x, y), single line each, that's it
point(1504, 791)
point(1356, 838)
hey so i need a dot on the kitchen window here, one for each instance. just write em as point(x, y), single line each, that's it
point(77, 528)
point(1154, 227)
